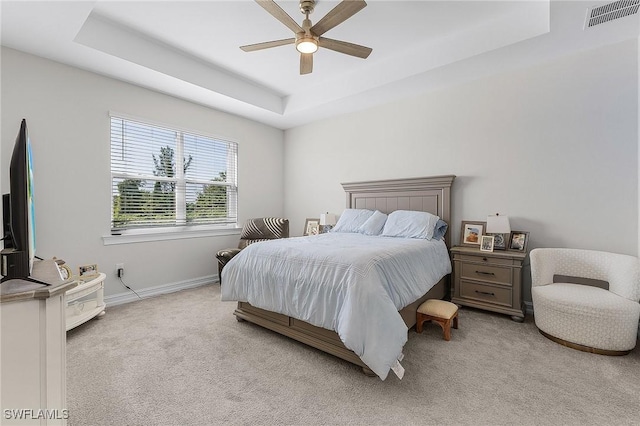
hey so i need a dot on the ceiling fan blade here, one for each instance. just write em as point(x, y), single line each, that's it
point(343, 11)
point(306, 63)
point(282, 16)
point(345, 47)
point(267, 44)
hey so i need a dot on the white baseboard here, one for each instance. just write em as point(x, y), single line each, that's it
point(129, 296)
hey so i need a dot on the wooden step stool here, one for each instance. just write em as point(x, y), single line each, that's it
point(438, 311)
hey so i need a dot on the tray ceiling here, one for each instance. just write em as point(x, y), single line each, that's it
point(191, 49)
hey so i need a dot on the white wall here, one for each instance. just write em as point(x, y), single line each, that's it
point(554, 146)
point(67, 115)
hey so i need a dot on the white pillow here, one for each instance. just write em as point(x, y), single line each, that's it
point(410, 224)
point(352, 219)
point(373, 225)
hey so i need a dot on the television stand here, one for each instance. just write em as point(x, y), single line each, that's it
point(80, 308)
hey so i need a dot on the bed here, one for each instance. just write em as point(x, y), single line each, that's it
point(389, 324)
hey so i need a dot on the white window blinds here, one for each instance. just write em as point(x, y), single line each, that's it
point(165, 177)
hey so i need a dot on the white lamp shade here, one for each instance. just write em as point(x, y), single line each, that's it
point(327, 219)
point(498, 224)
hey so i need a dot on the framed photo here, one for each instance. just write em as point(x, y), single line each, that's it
point(500, 241)
point(88, 271)
point(311, 227)
point(471, 232)
point(518, 241)
point(486, 243)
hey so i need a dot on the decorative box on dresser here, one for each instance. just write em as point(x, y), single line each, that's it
point(488, 280)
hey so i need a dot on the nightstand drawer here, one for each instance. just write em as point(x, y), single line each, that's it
point(486, 293)
point(494, 274)
point(483, 259)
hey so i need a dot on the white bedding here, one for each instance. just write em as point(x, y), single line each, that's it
point(351, 283)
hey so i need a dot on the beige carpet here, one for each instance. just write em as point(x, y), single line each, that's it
point(183, 359)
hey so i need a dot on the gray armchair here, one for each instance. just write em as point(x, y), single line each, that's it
point(254, 230)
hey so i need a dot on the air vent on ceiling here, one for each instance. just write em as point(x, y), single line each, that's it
point(609, 12)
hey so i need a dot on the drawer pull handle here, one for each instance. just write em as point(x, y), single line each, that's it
point(484, 273)
point(485, 293)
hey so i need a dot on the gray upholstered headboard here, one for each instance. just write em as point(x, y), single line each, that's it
point(427, 194)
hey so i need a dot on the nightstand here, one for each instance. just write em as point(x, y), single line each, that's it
point(488, 280)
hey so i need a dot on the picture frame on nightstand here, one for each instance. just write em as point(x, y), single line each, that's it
point(471, 233)
point(311, 227)
point(486, 243)
point(500, 241)
point(518, 241)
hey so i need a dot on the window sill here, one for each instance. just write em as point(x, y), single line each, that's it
point(164, 234)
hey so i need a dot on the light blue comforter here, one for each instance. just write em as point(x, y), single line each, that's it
point(350, 283)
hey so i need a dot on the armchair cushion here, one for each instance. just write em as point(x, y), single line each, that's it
point(587, 315)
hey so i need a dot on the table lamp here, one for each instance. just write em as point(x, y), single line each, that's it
point(327, 221)
point(498, 226)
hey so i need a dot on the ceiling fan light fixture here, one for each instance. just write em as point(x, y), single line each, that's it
point(307, 45)
point(308, 37)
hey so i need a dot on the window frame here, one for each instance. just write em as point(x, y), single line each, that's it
point(177, 230)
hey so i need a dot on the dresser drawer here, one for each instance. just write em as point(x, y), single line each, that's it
point(482, 259)
point(84, 289)
point(485, 293)
point(489, 273)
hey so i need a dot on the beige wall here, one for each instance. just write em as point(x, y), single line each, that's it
point(554, 146)
point(67, 115)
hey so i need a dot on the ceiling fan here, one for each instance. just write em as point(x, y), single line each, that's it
point(309, 38)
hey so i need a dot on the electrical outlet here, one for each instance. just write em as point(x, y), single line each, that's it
point(119, 269)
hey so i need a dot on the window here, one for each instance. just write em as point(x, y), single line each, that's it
point(162, 177)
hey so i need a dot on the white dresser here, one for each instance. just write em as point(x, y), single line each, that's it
point(33, 353)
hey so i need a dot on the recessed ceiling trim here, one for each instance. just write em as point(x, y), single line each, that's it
point(207, 34)
point(114, 39)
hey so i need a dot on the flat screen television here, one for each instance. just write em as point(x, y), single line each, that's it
point(17, 261)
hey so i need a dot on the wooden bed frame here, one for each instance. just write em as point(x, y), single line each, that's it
point(429, 194)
